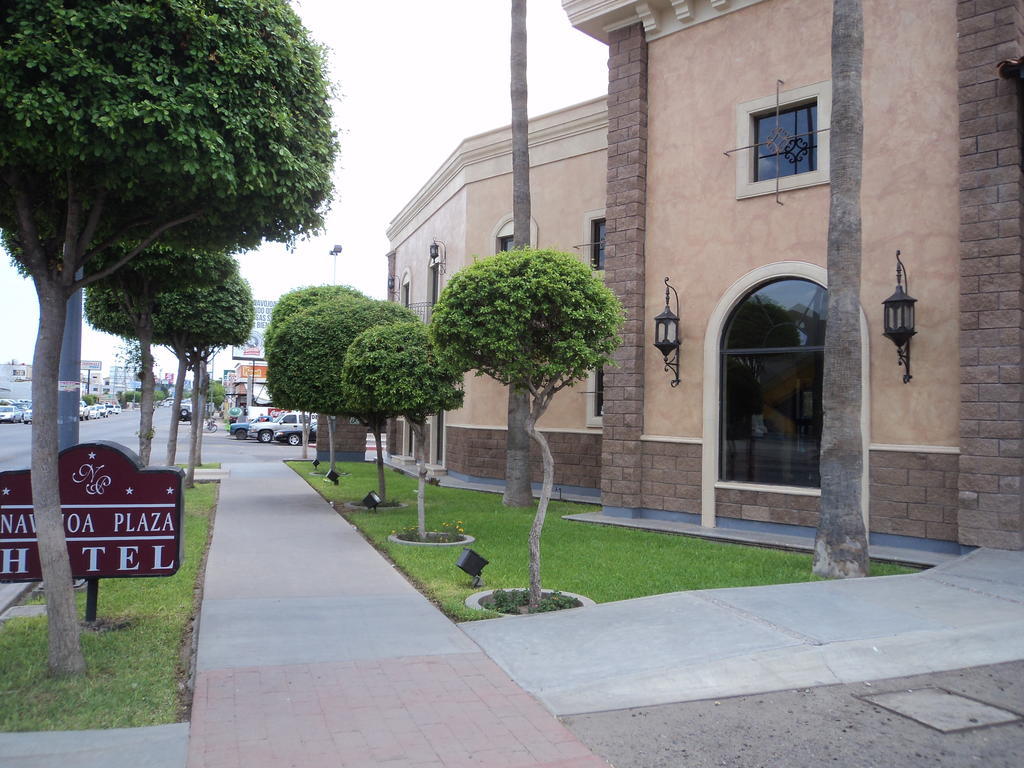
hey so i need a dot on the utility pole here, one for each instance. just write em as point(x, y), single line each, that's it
point(334, 252)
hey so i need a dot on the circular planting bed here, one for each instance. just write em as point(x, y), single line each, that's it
point(514, 601)
point(434, 539)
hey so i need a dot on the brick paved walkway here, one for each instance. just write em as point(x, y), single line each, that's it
point(347, 666)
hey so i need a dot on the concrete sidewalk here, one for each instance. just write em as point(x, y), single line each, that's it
point(314, 651)
point(687, 646)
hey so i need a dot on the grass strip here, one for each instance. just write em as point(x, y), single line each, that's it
point(604, 563)
point(136, 675)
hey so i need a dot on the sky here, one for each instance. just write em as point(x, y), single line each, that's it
point(412, 79)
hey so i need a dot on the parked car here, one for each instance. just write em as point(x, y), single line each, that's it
point(10, 414)
point(239, 430)
point(97, 411)
point(113, 409)
point(27, 415)
point(264, 430)
point(83, 410)
point(293, 434)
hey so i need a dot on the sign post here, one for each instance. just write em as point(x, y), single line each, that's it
point(121, 519)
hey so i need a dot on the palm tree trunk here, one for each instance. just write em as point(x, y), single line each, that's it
point(840, 547)
point(517, 451)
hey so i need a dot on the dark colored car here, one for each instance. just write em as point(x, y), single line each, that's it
point(240, 430)
point(293, 434)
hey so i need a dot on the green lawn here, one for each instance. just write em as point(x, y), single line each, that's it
point(135, 675)
point(602, 562)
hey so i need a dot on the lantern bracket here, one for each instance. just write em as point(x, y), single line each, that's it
point(899, 318)
point(666, 334)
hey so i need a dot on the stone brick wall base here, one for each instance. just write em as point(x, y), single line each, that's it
point(348, 438)
point(481, 453)
point(671, 477)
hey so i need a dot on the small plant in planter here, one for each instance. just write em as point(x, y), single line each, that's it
point(450, 533)
point(516, 601)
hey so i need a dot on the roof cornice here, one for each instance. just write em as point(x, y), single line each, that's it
point(598, 18)
point(490, 154)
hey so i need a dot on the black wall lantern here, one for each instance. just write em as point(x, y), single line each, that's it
point(438, 256)
point(666, 334)
point(899, 319)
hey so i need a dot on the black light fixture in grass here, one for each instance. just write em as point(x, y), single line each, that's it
point(371, 501)
point(899, 319)
point(666, 334)
point(473, 564)
point(333, 476)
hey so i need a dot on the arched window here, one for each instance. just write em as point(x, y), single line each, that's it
point(772, 358)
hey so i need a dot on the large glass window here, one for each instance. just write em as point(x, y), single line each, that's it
point(772, 358)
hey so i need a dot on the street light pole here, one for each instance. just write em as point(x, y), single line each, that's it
point(334, 252)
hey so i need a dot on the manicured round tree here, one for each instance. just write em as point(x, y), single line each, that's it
point(303, 298)
point(126, 303)
point(195, 321)
point(306, 353)
point(392, 370)
point(206, 123)
point(537, 321)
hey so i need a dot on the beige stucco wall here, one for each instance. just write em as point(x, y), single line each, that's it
point(562, 193)
point(704, 239)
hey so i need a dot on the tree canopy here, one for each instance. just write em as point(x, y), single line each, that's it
point(306, 351)
point(134, 114)
point(535, 320)
point(303, 298)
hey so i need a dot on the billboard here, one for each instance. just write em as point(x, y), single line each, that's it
point(92, 365)
point(253, 348)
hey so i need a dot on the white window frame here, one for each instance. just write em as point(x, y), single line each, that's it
point(588, 226)
point(506, 226)
point(746, 114)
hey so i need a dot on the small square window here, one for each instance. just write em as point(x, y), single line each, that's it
point(786, 138)
point(505, 243)
point(597, 238)
point(787, 142)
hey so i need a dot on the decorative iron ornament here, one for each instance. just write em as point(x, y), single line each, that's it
point(783, 144)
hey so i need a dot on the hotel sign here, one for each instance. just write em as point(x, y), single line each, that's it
point(121, 519)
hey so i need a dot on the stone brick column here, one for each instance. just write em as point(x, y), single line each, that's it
point(626, 217)
point(991, 320)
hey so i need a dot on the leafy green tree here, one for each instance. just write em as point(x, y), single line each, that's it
point(126, 303)
point(203, 122)
point(392, 370)
point(306, 353)
point(537, 322)
point(217, 394)
point(195, 320)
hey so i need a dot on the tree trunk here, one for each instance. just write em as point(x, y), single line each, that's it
point(305, 433)
point(381, 488)
point(518, 492)
point(179, 391)
point(421, 475)
point(840, 546)
point(64, 646)
point(542, 510)
point(146, 431)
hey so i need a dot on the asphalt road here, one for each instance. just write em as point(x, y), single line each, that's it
point(15, 441)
